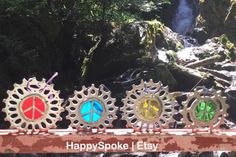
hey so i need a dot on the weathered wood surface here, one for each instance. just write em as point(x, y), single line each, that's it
point(117, 140)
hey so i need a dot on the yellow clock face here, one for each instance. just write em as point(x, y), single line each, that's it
point(149, 105)
point(149, 109)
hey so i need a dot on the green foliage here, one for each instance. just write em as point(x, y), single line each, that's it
point(202, 1)
point(230, 51)
point(172, 55)
point(154, 27)
point(146, 9)
point(179, 46)
point(21, 7)
point(225, 41)
point(83, 10)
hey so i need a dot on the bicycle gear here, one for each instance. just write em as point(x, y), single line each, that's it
point(33, 105)
point(148, 105)
point(204, 108)
point(91, 108)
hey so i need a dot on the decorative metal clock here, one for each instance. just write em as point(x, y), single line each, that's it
point(33, 105)
point(204, 108)
point(91, 108)
point(36, 105)
point(148, 105)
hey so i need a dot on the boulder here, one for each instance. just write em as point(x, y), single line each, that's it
point(131, 42)
point(218, 17)
point(230, 22)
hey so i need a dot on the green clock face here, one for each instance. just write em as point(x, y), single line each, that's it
point(205, 111)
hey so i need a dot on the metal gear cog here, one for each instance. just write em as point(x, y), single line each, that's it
point(91, 108)
point(204, 108)
point(33, 105)
point(148, 105)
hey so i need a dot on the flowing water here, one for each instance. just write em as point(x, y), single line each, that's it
point(184, 18)
point(183, 23)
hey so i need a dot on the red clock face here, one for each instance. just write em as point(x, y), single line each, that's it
point(33, 107)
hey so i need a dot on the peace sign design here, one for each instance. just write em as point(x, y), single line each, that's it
point(91, 107)
point(33, 108)
point(205, 111)
point(91, 111)
point(148, 106)
point(33, 105)
point(204, 108)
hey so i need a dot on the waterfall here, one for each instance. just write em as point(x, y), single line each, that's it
point(184, 18)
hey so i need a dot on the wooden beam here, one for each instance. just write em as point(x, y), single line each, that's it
point(124, 140)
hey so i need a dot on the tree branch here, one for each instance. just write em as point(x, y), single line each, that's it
point(87, 60)
point(203, 62)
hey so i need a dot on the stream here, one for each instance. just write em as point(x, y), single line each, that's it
point(183, 21)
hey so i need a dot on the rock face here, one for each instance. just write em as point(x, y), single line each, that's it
point(230, 22)
point(210, 48)
point(135, 47)
point(218, 17)
point(217, 55)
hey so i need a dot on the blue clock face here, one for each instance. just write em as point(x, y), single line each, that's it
point(91, 111)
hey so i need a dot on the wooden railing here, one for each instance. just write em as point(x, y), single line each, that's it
point(117, 140)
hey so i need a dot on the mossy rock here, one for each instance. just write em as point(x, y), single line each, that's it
point(230, 22)
point(129, 43)
point(218, 17)
point(158, 71)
